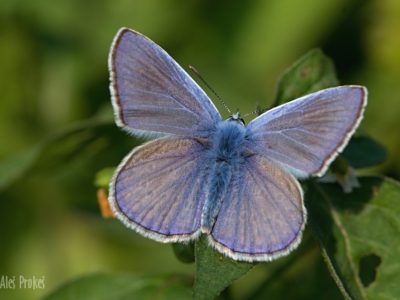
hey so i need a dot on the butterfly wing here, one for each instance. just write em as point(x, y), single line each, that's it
point(159, 189)
point(306, 134)
point(262, 214)
point(151, 93)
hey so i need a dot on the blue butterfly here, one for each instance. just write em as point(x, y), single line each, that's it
point(204, 175)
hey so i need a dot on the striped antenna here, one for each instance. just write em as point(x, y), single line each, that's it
point(258, 111)
point(210, 88)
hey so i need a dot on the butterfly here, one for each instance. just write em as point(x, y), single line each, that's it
point(200, 174)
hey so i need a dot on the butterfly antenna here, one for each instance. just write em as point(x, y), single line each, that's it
point(258, 111)
point(209, 87)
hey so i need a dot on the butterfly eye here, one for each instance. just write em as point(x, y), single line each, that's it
point(237, 119)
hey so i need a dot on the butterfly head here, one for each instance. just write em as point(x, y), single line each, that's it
point(236, 118)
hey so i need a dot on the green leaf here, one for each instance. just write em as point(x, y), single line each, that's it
point(214, 271)
point(103, 177)
point(62, 144)
point(363, 152)
point(123, 287)
point(312, 72)
point(303, 271)
point(15, 166)
point(184, 252)
point(358, 233)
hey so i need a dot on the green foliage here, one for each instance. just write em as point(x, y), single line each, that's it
point(214, 271)
point(184, 252)
point(359, 233)
point(59, 146)
point(15, 166)
point(311, 73)
point(302, 275)
point(103, 178)
point(123, 287)
point(363, 152)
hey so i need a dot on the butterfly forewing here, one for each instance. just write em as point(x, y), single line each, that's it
point(152, 93)
point(306, 134)
point(159, 189)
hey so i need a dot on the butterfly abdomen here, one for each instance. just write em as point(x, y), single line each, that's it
point(224, 154)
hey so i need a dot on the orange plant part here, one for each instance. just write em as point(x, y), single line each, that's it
point(105, 208)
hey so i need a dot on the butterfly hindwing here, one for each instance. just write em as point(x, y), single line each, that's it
point(262, 214)
point(159, 189)
point(151, 93)
point(306, 134)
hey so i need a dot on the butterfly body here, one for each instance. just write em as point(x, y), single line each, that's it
point(203, 175)
point(225, 156)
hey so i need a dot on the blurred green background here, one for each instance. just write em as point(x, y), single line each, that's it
point(56, 124)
